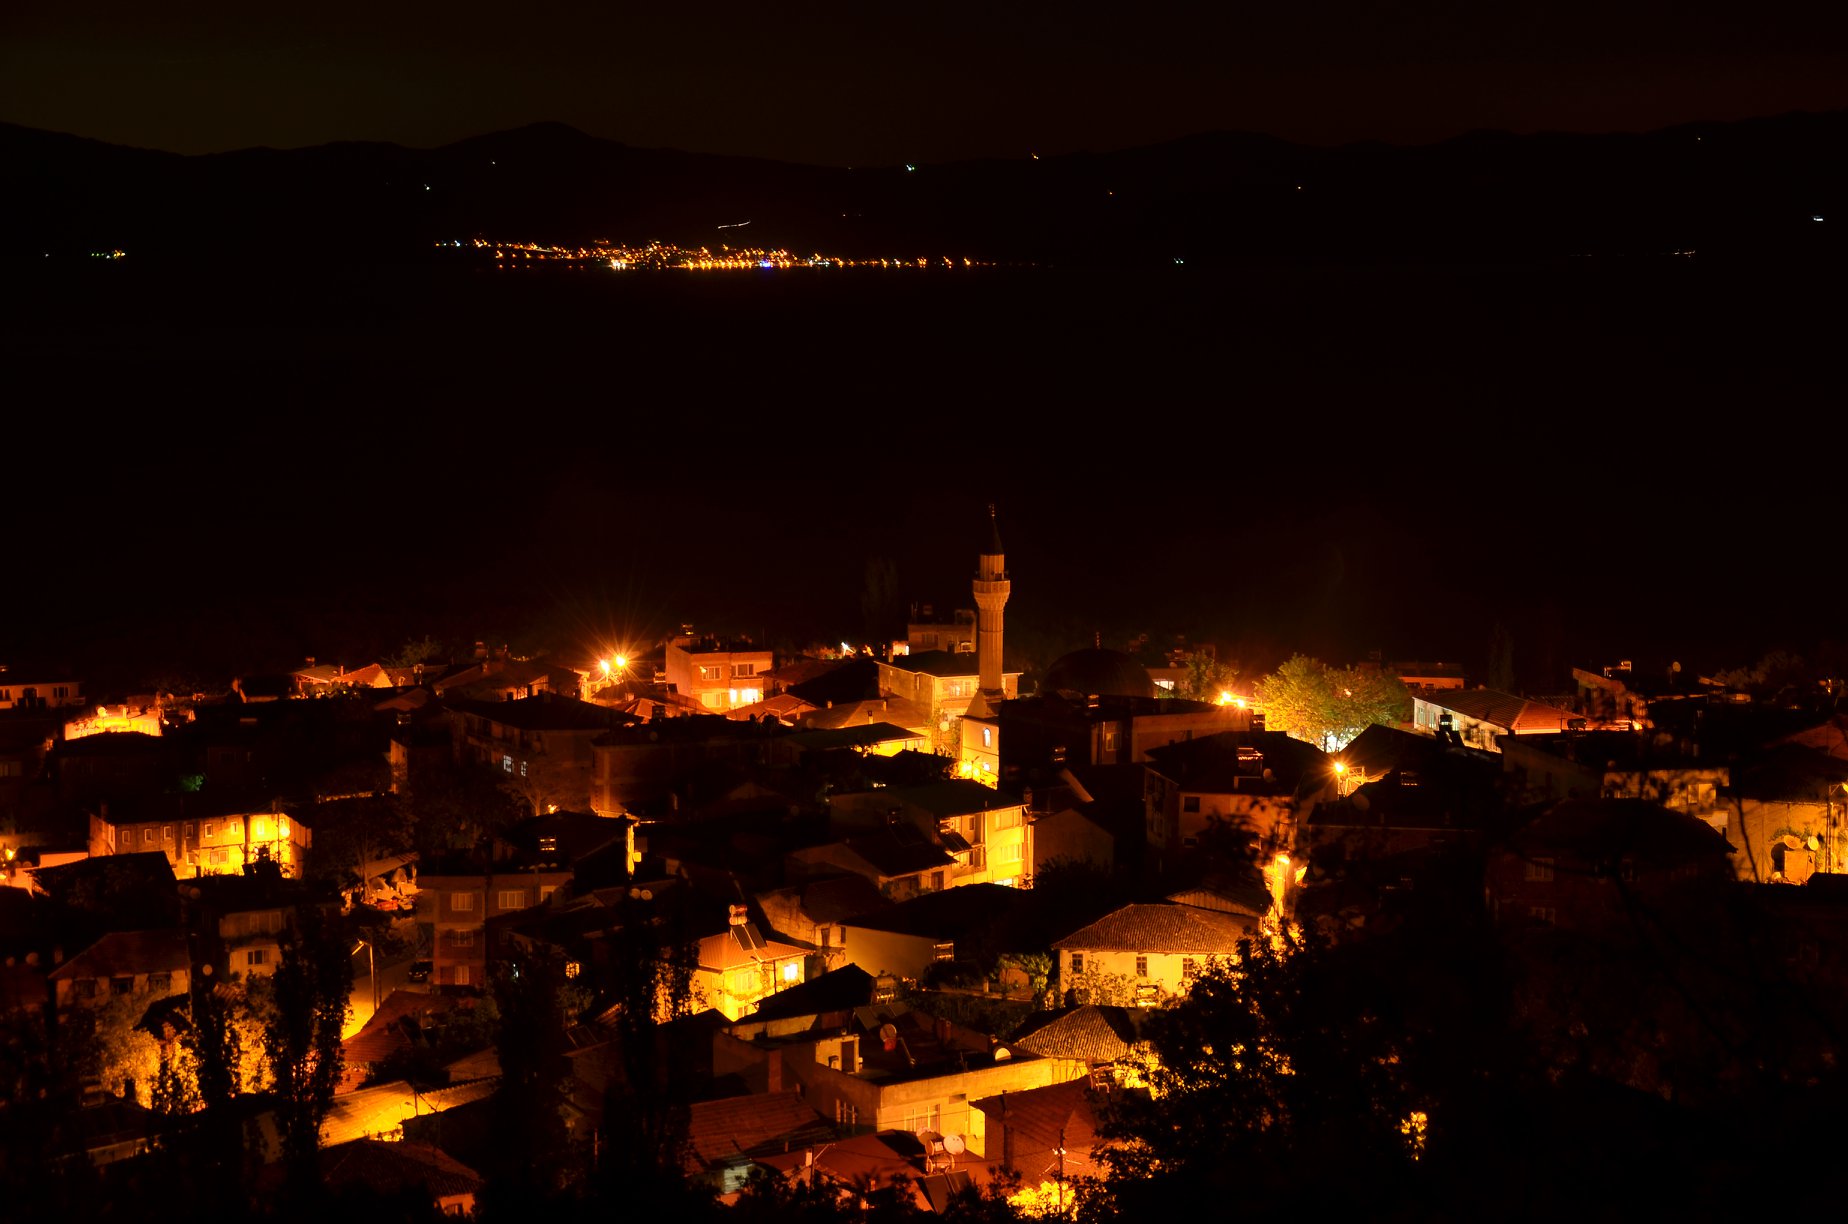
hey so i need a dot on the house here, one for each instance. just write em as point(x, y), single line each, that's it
point(458, 898)
point(976, 924)
point(1789, 815)
point(241, 921)
point(23, 688)
point(388, 1170)
point(203, 838)
point(1421, 675)
point(1587, 865)
point(150, 963)
point(738, 967)
point(1403, 793)
point(541, 746)
point(1252, 787)
point(111, 765)
point(504, 679)
point(1481, 718)
point(985, 830)
point(1037, 737)
point(815, 911)
point(926, 631)
point(884, 1068)
point(721, 674)
point(653, 762)
point(1045, 1134)
point(1620, 765)
point(900, 861)
point(942, 684)
point(1091, 1035)
point(1143, 954)
point(725, 1137)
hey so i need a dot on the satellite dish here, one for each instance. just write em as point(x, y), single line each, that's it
point(1002, 1054)
point(888, 1033)
point(955, 1145)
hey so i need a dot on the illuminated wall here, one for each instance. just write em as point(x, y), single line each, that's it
point(219, 846)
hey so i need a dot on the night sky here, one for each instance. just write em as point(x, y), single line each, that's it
point(1613, 461)
point(881, 83)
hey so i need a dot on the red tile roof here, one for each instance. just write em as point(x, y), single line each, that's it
point(1161, 928)
point(123, 953)
point(718, 1131)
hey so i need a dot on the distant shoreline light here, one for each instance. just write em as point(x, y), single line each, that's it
point(667, 255)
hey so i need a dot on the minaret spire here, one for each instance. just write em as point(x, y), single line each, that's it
point(991, 591)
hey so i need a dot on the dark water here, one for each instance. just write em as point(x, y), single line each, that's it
point(1623, 457)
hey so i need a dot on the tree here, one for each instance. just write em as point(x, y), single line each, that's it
point(1329, 706)
point(1206, 677)
point(415, 651)
point(1500, 675)
point(1273, 1070)
point(309, 999)
point(879, 605)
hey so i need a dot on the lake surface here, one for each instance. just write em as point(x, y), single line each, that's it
point(1336, 457)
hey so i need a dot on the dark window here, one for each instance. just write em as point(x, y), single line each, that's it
point(160, 981)
point(1190, 804)
point(1142, 966)
point(1188, 968)
point(122, 985)
point(1077, 963)
point(85, 988)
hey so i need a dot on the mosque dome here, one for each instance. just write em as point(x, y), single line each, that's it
point(1098, 672)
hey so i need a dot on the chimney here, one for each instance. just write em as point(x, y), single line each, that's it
point(310, 660)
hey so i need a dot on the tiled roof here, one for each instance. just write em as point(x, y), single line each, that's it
point(898, 711)
point(1041, 1119)
point(125, 953)
point(1092, 1033)
point(837, 897)
point(1161, 928)
point(840, 989)
point(383, 1109)
point(1598, 829)
point(385, 1032)
point(722, 1131)
point(545, 712)
point(1502, 709)
point(866, 735)
point(957, 797)
point(389, 1167)
point(950, 912)
point(937, 663)
point(891, 856)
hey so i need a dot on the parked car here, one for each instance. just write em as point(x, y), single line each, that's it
point(420, 971)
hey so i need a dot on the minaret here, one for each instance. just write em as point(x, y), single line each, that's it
point(991, 589)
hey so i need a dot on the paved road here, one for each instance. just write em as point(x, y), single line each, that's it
point(395, 975)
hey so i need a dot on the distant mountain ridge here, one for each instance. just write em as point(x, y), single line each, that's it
point(1750, 187)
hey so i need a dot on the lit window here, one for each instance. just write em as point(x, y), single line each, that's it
point(461, 978)
point(1539, 870)
point(988, 737)
point(572, 969)
point(791, 971)
point(512, 898)
point(462, 901)
point(507, 764)
point(463, 939)
point(1189, 968)
point(944, 951)
point(1190, 804)
point(282, 826)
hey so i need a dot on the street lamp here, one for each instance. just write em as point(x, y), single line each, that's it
point(372, 972)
